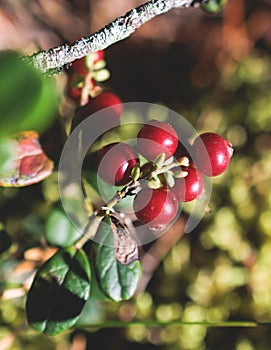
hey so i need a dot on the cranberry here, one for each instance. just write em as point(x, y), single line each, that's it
point(79, 66)
point(155, 207)
point(106, 99)
point(155, 138)
point(115, 162)
point(98, 56)
point(110, 117)
point(219, 152)
point(190, 187)
point(74, 86)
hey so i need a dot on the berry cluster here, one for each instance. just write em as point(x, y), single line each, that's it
point(84, 88)
point(83, 76)
point(169, 173)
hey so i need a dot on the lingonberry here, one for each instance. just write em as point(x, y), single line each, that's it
point(115, 162)
point(155, 207)
point(155, 138)
point(189, 187)
point(75, 85)
point(110, 117)
point(218, 151)
point(97, 56)
point(79, 66)
point(106, 99)
point(83, 65)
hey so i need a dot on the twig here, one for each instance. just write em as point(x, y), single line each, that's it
point(53, 60)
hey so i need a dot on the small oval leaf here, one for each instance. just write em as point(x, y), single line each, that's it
point(59, 292)
point(118, 282)
point(59, 231)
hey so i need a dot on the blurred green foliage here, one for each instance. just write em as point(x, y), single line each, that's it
point(218, 273)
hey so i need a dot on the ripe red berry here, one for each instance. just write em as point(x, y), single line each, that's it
point(155, 138)
point(82, 65)
point(79, 66)
point(74, 86)
point(219, 152)
point(106, 99)
point(98, 56)
point(155, 207)
point(190, 187)
point(115, 162)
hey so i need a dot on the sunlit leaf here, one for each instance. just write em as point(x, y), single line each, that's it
point(28, 100)
point(59, 292)
point(59, 229)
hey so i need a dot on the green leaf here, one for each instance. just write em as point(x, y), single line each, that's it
point(59, 292)
point(118, 282)
point(213, 6)
point(59, 230)
point(28, 99)
point(7, 155)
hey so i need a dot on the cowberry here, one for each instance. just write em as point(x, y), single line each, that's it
point(189, 187)
point(83, 65)
point(156, 138)
point(218, 152)
point(79, 66)
point(155, 207)
point(106, 99)
point(75, 85)
point(115, 162)
point(110, 117)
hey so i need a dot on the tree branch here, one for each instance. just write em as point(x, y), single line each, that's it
point(53, 60)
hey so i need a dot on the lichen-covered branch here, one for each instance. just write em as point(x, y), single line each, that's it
point(55, 59)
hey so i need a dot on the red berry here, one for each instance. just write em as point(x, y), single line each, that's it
point(155, 138)
point(219, 152)
point(115, 162)
point(98, 56)
point(155, 207)
point(79, 66)
point(190, 187)
point(106, 99)
point(74, 86)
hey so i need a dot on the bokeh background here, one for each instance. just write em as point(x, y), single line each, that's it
point(215, 70)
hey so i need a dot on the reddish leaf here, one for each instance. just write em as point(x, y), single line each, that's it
point(31, 165)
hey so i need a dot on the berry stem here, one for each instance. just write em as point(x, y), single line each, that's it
point(53, 60)
point(96, 218)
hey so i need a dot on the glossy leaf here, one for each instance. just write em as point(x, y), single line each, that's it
point(28, 100)
point(59, 230)
point(118, 282)
point(59, 292)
